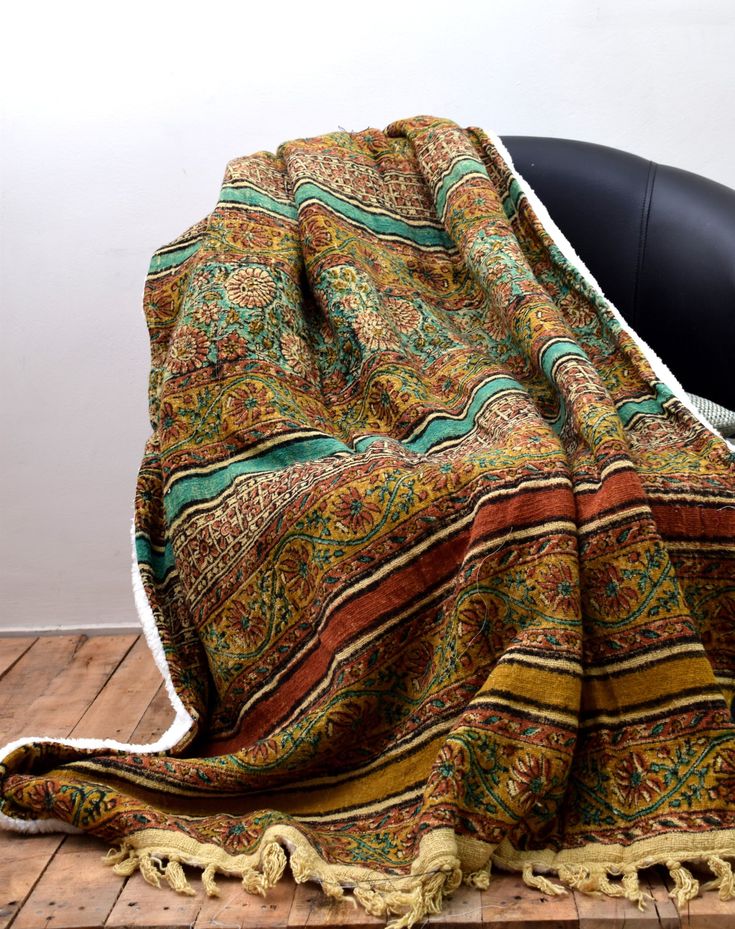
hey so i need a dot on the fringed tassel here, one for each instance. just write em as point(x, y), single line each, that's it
point(541, 883)
point(572, 876)
point(414, 905)
point(371, 901)
point(272, 866)
point(724, 881)
point(424, 900)
point(126, 867)
point(176, 878)
point(597, 881)
point(686, 886)
point(632, 890)
point(480, 880)
point(151, 874)
point(332, 890)
point(126, 860)
point(608, 887)
point(273, 863)
point(305, 868)
point(253, 882)
point(116, 855)
point(208, 882)
point(301, 866)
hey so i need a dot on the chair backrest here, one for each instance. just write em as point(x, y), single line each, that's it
point(659, 240)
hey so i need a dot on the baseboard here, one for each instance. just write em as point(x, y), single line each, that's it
point(132, 628)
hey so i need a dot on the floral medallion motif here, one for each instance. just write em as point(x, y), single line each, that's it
point(250, 287)
point(373, 330)
point(296, 352)
point(188, 350)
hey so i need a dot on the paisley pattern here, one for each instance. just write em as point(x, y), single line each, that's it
point(444, 573)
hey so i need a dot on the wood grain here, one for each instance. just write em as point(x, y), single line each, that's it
point(668, 915)
point(156, 720)
point(600, 912)
point(47, 691)
point(463, 908)
point(121, 704)
point(235, 908)
point(25, 858)
point(508, 902)
point(311, 907)
point(140, 904)
point(76, 891)
point(11, 650)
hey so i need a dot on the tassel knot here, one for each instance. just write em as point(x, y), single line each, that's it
point(686, 887)
point(541, 883)
point(724, 879)
point(632, 890)
point(210, 885)
point(478, 879)
point(151, 873)
point(174, 874)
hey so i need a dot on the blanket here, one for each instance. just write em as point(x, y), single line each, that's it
point(436, 559)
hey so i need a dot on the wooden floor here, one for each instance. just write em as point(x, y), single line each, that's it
point(108, 686)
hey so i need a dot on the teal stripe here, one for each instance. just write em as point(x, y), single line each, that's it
point(378, 223)
point(653, 405)
point(443, 428)
point(256, 198)
point(463, 167)
point(626, 411)
point(510, 203)
point(547, 359)
point(552, 353)
point(171, 259)
point(160, 562)
point(199, 487)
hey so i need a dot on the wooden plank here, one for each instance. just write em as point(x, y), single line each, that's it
point(11, 650)
point(311, 907)
point(509, 903)
point(142, 905)
point(28, 679)
point(157, 718)
point(76, 891)
point(65, 674)
point(463, 908)
point(236, 908)
point(603, 912)
point(24, 858)
point(120, 706)
point(668, 915)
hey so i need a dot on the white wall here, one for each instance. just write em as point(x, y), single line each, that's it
point(117, 124)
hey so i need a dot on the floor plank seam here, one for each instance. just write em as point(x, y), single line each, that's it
point(17, 658)
point(113, 672)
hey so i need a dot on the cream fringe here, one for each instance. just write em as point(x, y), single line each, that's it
point(444, 862)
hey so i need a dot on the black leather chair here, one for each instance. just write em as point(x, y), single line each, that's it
point(660, 242)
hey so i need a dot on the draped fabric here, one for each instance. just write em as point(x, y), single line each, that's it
point(437, 561)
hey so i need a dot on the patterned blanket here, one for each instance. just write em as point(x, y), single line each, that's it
point(436, 559)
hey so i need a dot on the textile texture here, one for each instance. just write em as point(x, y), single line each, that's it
point(442, 570)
